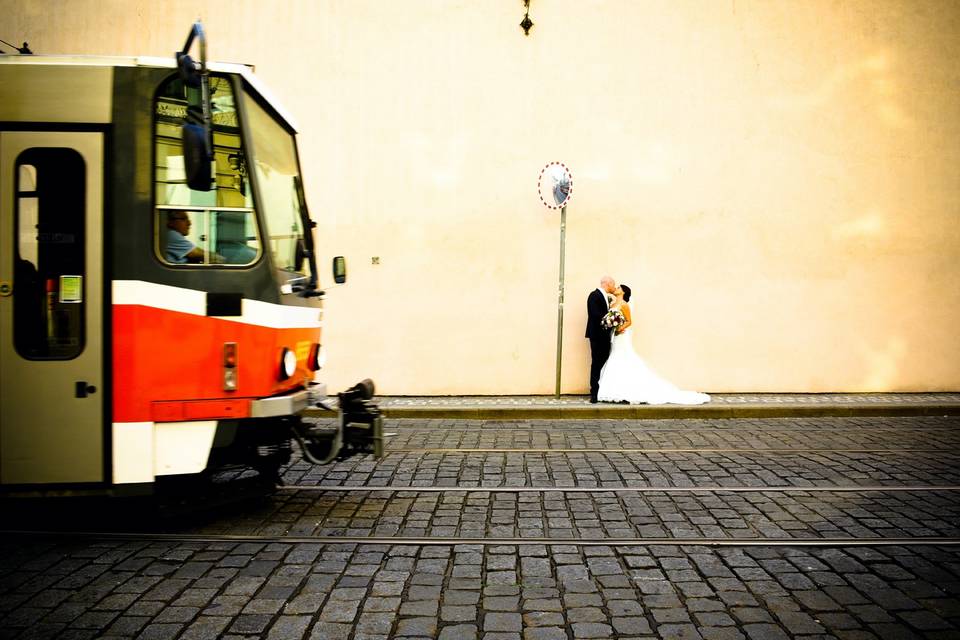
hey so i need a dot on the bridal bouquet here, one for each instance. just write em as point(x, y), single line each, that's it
point(613, 319)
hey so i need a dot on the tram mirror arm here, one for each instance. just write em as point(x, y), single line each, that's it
point(196, 130)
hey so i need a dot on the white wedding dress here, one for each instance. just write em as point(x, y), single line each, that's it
point(626, 377)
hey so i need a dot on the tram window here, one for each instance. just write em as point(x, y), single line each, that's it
point(278, 178)
point(207, 237)
point(222, 222)
point(49, 269)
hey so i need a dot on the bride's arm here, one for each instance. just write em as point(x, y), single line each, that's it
point(625, 309)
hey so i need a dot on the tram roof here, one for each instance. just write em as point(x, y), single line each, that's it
point(243, 70)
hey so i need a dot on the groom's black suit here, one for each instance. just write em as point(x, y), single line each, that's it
point(599, 339)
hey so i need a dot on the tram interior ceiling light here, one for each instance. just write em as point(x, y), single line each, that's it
point(526, 24)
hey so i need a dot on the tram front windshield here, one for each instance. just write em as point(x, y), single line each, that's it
point(278, 180)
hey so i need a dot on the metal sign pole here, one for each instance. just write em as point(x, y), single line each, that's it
point(559, 193)
point(563, 240)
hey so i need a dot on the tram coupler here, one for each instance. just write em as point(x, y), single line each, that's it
point(319, 445)
point(359, 429)
point(361, 420)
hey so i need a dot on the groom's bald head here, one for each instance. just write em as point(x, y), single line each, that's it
point(607, 284)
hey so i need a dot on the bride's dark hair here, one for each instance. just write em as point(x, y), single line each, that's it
point(626, 292)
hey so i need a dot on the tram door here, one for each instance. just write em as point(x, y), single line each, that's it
point(51, 307)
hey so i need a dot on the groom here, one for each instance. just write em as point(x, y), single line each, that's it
point(598, 303)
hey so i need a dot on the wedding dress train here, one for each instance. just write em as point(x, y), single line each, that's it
point(626, 377)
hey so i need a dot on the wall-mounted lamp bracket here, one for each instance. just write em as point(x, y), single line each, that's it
point(526, 24)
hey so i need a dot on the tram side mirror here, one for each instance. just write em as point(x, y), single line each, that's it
point(196, 131)
point(196, 162)
point(339, 269)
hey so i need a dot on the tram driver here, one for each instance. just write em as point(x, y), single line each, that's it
point(179, 248)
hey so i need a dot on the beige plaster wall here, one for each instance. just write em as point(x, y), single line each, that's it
point(777, 181)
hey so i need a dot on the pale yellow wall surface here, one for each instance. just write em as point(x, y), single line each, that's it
point(779, 182)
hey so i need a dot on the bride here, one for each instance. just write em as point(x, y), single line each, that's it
point(626, 377)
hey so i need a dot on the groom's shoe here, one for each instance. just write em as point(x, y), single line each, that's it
point(593, 400)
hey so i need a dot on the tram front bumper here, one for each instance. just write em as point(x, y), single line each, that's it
point(288, 405)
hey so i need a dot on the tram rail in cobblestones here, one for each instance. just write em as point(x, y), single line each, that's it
point(759, 450)
point(941, 541)
point(658, 426)
point(612, 426)
point(644, 489)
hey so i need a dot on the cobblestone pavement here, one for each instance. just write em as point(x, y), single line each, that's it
point(609, 468)
point(457, 592)
point(295, 587)
point(598, 515)
point(801, 452)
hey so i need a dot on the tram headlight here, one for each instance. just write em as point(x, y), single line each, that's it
point(229, 379)
point(288, 363)
point(318, 358)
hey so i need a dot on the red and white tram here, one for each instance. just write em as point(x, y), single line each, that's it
point(160, 310)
